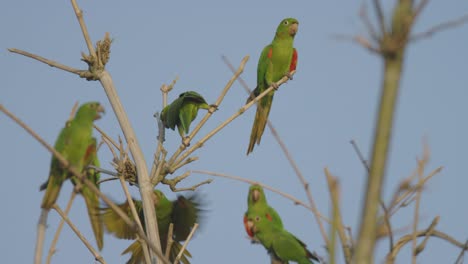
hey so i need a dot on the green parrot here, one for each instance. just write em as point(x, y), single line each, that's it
point(256, 202)
point(283, 245)
point(183, 213)
point(183, 111)
point(91, 198)
point(76, 144)
point(277, 60)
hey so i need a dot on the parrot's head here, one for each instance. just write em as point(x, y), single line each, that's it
point(255, 194)
point(288, 26)
point(92, 110)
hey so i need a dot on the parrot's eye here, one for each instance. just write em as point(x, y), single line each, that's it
point(257, 218)
point(285, 22)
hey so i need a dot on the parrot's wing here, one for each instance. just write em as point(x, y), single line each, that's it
point(172, 113)
point(187, 114)
point(196, 98)
point(91, 198)
point(116, 225)
point(186, 212)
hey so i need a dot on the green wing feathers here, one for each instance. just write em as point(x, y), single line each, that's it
point(182, 111)
point(72, 144)
point(276, 60)
point(91, 198)
point(183, 212)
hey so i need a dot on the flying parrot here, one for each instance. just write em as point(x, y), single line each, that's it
point(183, 213)
point(283, 245)
point(183, 111)
point(76, 144)
point(277, 60)
point(256, 202)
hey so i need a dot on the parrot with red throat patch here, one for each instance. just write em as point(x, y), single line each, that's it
point(276, 60)
point(281, 244)
point(256, 202)
point(76, 144)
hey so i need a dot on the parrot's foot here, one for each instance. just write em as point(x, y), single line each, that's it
point(186, 141)
point(275, 86)
point(288, 74)
point(214, 107)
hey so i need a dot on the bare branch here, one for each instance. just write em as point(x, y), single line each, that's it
point(194, 228)
point(93, 251)
point(251, 182)
point(380, 16)
point(170, 240)
point(52, 248)
point(65, 164)
point(430, 230)
point(360, 40)
point(440, 27)
point(229, 120)
point(185, 143)
point(334, 190)
point(462, 253)
point(51, 63)
point(288, 155)
point(79, 16)
point(408, 238)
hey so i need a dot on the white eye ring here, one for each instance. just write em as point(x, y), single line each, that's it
point(285, 22)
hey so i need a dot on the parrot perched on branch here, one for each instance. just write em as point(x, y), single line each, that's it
point(76, 144)
point(183, 213)
point(283, 245)
point(256, 202)
point(183, 111)
point(277, 60)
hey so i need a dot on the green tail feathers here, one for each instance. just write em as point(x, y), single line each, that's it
point(52, 192)
point(137, 253)
point(260, 121)
point(92, 203)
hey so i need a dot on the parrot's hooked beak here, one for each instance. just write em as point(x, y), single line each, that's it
point(255, 195)
point(293, 29)
point(100, 110)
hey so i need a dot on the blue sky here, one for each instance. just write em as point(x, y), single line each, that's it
point(332, 99)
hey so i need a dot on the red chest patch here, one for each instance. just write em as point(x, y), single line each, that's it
point(293, 65)
point(270, 53)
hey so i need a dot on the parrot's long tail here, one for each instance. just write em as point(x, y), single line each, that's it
point(137, 253)
point(92, 203)
point(52, 192)
point(176, 247)
point(260, 121)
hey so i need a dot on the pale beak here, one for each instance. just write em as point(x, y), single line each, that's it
point(293, 29)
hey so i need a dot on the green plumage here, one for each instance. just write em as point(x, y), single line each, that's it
point(274, 63)
point(278, 241)
point(183, 213)
point(257, 203)
point(91, 198)
point(76, 144)
point(183, 111)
